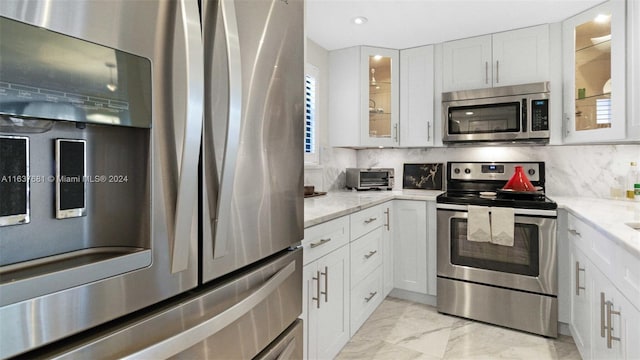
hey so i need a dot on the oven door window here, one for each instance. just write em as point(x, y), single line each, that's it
point(521, 258)
point(374, 178)
point(485, 119)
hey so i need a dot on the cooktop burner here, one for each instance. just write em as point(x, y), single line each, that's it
point(480, 183)
point(537, 201)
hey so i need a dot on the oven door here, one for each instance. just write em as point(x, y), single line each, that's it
point(529, 265)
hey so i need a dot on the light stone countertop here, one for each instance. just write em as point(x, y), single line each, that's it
point(335, 204)
point(606, 216)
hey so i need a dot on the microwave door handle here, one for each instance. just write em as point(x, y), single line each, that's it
point(525, 115)
point(189, 139)
point(234, 119)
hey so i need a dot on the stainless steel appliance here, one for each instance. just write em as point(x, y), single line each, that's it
point(518, 113)
point(370, 179)
point(116, 243)
point(509, 285)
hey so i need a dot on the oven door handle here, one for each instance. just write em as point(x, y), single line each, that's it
point(517, 211)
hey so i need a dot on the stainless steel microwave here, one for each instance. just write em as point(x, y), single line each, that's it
point(518, 113)
point(369, 179)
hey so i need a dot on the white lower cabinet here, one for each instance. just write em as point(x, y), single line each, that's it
point(366, 295)
point(605, 324)
point(326, 296)
point(367, 276)
point(581, 294)
point(410, 245)
point(617, 323)
point(352, 263)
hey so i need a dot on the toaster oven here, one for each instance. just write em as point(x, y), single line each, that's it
point(369, 179)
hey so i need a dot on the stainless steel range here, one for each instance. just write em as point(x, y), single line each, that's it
point(497, 249)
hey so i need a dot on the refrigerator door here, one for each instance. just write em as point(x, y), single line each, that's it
point(66, 294)
point(236, 319)
point(253, 131)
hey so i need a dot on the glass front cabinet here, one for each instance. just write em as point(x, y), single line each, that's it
point(594, 74)
point(364, 97)
point(379, 76)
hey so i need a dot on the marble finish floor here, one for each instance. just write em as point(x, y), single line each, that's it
point(401, 329)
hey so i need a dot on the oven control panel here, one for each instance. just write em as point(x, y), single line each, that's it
point(491, 170)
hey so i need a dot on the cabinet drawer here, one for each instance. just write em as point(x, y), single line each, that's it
point(600, 250)
point(323, 238)
point(365, 298)
point(366, 220)
point(366, 255)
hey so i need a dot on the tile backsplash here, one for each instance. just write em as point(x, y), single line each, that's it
point(585, 170)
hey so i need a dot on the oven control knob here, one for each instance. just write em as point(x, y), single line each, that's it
point(531, 172)
point(456, 170)
point(467, 171)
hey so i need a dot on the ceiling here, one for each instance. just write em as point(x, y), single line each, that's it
point(401, 24)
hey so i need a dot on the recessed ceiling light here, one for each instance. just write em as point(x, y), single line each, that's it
point(359, 20)
point(602, 18)
point(469, 113)
point(377, 57)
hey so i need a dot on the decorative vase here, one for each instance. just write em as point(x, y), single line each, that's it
point(519, 181)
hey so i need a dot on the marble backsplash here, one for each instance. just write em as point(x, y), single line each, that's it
point(585, 170)
point(331, 174)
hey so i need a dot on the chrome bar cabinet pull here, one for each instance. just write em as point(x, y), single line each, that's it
point(395, 132)
point(610, 337)
point(326, 284)
point(370, 220)
point(486, 72)
point(578, 287)
point(371, 296)
point(574, 232)
point(497, 71)
point(388, 224)
point(317, 278)
point(321, 242)
point(370, 254)
point(602, 323)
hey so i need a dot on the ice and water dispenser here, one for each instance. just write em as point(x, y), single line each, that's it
point(75, 120)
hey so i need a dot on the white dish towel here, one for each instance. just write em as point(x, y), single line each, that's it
point(502, 226)
point(478, 226)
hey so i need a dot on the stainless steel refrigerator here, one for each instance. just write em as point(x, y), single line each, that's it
point(183, 120)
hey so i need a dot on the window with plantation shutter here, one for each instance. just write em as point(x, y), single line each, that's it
point(310, 87)
point(603, 113)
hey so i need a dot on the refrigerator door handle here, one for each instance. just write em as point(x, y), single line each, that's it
point(224, 192)
point(186, 339)
point(186, 199)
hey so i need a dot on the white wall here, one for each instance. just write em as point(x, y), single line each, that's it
point(330, 173)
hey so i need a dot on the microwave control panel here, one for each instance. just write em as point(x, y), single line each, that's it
point(540, 115)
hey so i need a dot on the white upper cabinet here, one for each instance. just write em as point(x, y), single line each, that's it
point(364, 97)
point(594, 81)
point(502, 59)
point(416, 97)
point(467, 64)
point(633, 70)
